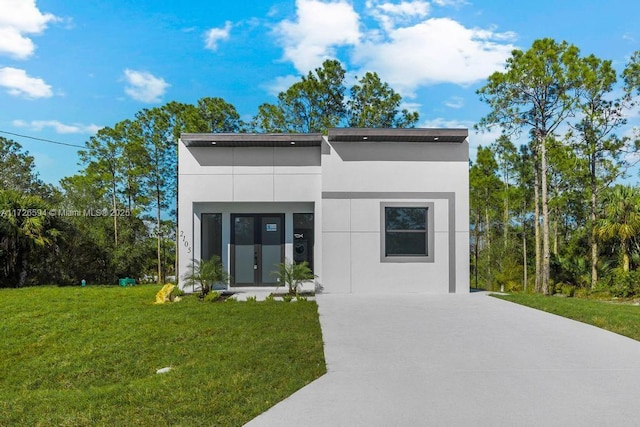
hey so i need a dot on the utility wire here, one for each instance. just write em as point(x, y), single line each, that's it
point(42, 139)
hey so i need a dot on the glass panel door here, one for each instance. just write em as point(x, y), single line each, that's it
point(244, 250)
point(258, 247)
point(271, 247)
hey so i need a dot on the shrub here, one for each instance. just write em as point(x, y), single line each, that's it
point(508, 278)
point(252, 299)
point(573, 270)
point(212, 296)
point(176, 292)
point(293, 274)
point(621, 284)
point(581, 293)
point(567, 289)
point(205, 274)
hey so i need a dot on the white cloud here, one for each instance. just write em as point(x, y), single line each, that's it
point(214, 35)
point(144, 86)
point(319, 28)
point(18, 83)
point(406, 8)
point(454, 3)
point(391, 14)
point(475, 138)
point(440, 122)
point(273, 11)
point(58, 127)
point(410, 106)
point(437, 50)
point(403, 45)
point(280, 84)
point(491, 34)
point(18, 19)
point(454, 102)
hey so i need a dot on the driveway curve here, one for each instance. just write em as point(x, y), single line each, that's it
point(462, 360)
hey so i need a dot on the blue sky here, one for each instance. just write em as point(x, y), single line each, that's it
point(69, 67)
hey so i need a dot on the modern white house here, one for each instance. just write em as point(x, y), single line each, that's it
point(370, 210)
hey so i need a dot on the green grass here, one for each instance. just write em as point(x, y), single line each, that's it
point(88, 356)
point(623, 319)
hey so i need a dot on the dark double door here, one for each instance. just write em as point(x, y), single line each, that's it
point(257, 242)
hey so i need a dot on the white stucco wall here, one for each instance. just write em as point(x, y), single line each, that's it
point(343, 184)
point(357, 178)
point(245, 180)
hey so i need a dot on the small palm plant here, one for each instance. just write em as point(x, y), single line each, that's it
point(621, 220)
point(293, 274)
point(205, 274)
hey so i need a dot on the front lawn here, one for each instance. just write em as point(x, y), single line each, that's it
point(88, 356)
point(623, 319)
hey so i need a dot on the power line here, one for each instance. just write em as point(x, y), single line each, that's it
point(42, 139)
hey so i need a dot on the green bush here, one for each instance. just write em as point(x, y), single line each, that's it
point(212, 296)
point(293, 274)
point(572, 270)
point(508, 278)
point(567, 289)
point(581, 293)
point(205, 274)
point(621, 284)
point(287, 297)
point(176, 292)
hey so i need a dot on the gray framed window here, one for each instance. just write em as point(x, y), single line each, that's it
point(303, 238)
point(211, 237)
point(406, 232)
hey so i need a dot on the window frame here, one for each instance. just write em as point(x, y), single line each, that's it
point(219, 231)
point(429, 233)
point(310, 238)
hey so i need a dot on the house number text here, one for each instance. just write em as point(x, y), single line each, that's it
point(185, 242)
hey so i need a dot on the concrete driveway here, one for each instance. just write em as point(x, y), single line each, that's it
point(462, 360)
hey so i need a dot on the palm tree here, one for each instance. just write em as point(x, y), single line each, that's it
point(206, 274)
point(24, 226)
point(293, 274)
point(621, 219)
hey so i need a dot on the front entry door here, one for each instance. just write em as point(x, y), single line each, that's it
point(257, 248)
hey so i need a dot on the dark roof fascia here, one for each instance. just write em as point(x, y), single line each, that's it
point(252, 139)
point(435, 135)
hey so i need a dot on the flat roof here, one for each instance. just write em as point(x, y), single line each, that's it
point(251, 139)
point(398, 135)
point(315, 139)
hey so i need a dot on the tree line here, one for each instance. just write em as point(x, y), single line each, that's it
point(545, 214)
point(553, 212)
point(117, 217)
